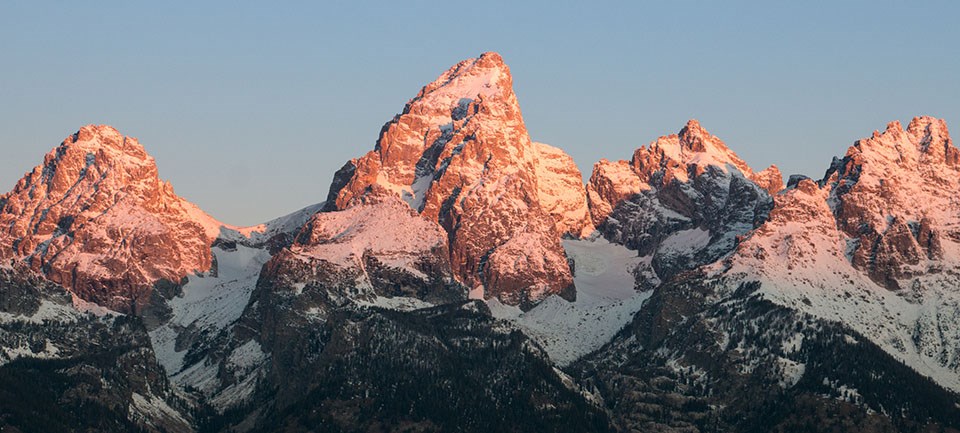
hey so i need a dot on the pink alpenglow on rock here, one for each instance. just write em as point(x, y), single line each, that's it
point(460, 154)
point(875, 245)
point(896, 194)
point(684, 200)
point(96, 218)
point(681, 156)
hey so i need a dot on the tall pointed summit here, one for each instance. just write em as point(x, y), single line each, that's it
point(460, 154)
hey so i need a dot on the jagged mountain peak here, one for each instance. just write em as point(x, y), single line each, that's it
point(94, 136)
point(682, 201)
point(873, 245)
point(895, 194)
point(770, 179)
point(693, 135)
point(692, 146)
point(468, 113)
point(120, 164)
point(679, 157)
point(889, 202)
point(926, 140)
point(96, 218)
point(929, 129)
point(481, 77)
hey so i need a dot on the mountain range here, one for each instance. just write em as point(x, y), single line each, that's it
point(460, 276)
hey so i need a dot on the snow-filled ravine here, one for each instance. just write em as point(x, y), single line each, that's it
point(210, 302)
point(606, 301)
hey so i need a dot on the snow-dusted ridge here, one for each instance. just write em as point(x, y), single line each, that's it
point(833, 249)
point(260, 233)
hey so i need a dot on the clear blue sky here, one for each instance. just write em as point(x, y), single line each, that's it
point(250, 107)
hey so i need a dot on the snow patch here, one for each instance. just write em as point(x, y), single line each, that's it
point(400, 303)
point(686, 241)
point(50, 351)
point(210, 303)
point(247, 356)
point(47, 312)
point(606, 301)
point(791, 370)
point(151, 407)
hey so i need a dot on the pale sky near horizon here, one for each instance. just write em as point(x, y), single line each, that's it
point(250, 107)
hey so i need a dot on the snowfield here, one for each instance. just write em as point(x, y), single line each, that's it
point(606, 301)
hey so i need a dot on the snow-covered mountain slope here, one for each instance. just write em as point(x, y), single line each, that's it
point(209, 304)
point(274, 234)
point(704, 356)
point(683, 200)
point(372, 249)
point(389, 230)
point(873, 246)
point(459, 153)
point(96, 218)
point(360, 290)
point(607, 299)
point(381, 254)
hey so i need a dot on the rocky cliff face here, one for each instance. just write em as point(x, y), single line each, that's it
point(845, 292)
point(64, 369)
point(96, 218)
point(895, 195)
point(683, 200)
point(873, 245)
point(459, 154)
